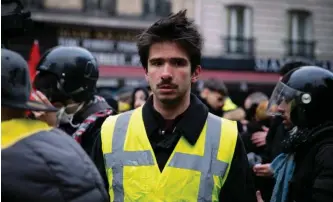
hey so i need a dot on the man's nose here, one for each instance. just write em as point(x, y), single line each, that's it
point(281, 108)
point(167, 72)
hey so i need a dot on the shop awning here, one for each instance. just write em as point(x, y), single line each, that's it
point(227, 76)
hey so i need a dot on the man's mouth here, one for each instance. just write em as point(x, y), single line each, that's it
point(167, 86)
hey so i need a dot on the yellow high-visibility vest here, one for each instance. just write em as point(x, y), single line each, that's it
point(229, 105)
point(192, 173)
point(123, 106)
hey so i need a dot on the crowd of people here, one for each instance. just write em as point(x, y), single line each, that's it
point(62, 140)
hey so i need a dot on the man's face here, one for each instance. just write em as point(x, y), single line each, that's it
point(214, 99)
point(169, 72)
point(284, 108)
point(139, 98)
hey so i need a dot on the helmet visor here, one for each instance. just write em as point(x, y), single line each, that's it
point(282, 98)
point(47, 83)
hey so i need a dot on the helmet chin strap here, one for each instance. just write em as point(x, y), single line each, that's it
point(64, 117)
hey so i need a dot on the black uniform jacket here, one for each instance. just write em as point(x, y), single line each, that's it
point(313, 176)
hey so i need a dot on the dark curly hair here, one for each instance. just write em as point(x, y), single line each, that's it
point(174, 28)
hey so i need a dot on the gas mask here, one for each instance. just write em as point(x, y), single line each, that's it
point(64, 117)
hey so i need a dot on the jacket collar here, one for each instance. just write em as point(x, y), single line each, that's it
point(15, 130)
point(189, 124)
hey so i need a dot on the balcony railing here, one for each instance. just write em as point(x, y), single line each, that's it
point(160, 8)
point(300, 48)
point(34, 4)
point(239, 45)
point(98, 7)
point(95, 7)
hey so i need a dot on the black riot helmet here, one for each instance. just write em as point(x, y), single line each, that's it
point(65, 73)
point(308, 91)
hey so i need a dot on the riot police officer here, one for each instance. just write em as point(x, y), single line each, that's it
point(67, 76)
point(304, 172)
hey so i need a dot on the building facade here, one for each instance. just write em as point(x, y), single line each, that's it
point(240, 35)
point(238, 29)
point(267, 28)
point(134, 14)
point(108, 28)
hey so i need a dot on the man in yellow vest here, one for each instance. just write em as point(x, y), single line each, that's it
point(172, 149)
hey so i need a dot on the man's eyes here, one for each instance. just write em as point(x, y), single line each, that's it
point(172, 62)
point(156, 62)
point(179, 62)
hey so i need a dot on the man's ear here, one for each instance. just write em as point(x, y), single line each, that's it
point(195, 74)
point(146, 74)
point(204, 93)
point(146, 77)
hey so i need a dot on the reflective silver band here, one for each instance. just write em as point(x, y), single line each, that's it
point(119, 158)
point(208, 164)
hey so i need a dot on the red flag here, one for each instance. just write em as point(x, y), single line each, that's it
point(34, 59)
point(33, 62)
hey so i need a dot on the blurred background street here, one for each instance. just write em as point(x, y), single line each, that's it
point(246, 41)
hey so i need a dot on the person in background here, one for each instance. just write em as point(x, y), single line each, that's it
point(280, 125)
point(261, 116)
point(231, 111)
point(107, 95)
point(229, 105)
point(123, 106)
point(68, 77)
point(139, 97)
point(280, 128)
point(213, 95)
point(254, 131)
point(38, 162)
point(304, 171)
point(251, 103)
point(195, 155)
point(123, 96)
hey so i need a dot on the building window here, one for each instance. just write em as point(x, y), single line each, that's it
point(156, 7)
point(72, 5)
point(33, 4)
point(300, 34)
point(106, 6)
point(239, 39)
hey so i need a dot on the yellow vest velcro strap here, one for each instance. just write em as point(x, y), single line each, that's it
point(128, 158)
point(208, 164)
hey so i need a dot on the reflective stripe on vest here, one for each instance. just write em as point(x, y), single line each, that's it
point(129, 158)
point(218, 168)
point(179, 160)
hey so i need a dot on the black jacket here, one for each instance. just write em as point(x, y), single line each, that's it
point(92, 131)
point(189, 124)
point(39, 164)
point(313, 176)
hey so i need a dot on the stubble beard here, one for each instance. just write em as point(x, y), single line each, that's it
point(171, 102)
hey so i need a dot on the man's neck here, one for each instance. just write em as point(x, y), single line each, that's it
point(170, 112)
point(9, 114)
